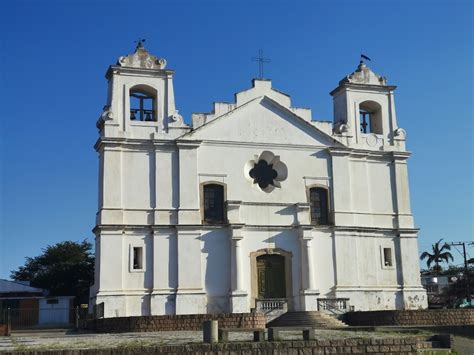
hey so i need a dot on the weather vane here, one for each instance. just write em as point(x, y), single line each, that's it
point(260, 61)
point(364, 57)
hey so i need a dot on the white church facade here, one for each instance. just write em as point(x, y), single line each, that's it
point(253, 202)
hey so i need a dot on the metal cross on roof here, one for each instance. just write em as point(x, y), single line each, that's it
point(260, 61)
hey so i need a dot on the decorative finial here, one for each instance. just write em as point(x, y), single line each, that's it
point(139, 43)
point(364, 75)
point(141, 58)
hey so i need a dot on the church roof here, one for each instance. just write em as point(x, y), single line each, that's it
point(260, 92)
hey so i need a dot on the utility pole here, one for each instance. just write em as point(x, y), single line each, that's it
point(466, 268)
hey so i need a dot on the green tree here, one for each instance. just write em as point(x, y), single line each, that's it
point(438, 255)
point(66, 269)
point(457, 291)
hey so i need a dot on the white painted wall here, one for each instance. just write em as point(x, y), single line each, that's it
point(150, 176)
point(57, 313)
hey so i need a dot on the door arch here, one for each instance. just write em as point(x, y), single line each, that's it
point(271, 272)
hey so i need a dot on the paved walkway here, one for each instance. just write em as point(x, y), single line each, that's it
point(463, 345)
point(69, 340)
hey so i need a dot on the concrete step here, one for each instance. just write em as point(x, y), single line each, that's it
point(306, 319)
point(434, 351)
point(431, 346)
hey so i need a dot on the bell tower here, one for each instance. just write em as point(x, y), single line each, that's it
point(364, 111)
point(140, 100)
point(138, 194)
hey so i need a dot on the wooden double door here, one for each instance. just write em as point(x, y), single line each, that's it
point(271, 276)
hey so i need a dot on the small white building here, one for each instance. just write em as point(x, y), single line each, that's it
point(56, 310)
point(33, 307)
point(254, 202)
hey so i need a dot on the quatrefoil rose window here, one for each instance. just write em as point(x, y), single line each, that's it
point(266, 171)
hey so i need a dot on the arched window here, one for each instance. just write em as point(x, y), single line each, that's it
point(142, 104)
point(370, 115)
point(213, 203)
point(318, 199)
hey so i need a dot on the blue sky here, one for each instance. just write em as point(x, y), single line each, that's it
point(55, 54)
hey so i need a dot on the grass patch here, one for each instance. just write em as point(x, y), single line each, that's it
point(137, 343)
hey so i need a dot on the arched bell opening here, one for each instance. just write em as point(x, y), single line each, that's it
point(143, 104)
point(370, 117)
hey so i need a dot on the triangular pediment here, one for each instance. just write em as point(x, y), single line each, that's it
point(262, 120)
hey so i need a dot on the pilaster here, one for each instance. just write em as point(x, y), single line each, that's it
point(111, 272)
point(414, 295)
point(188, 187)
point(341, 190)
point(166, 186)
point(238, 296)
point(165, 275)
point(402, 191)
point(346, 273)
point(190, 296)
point(170, 105)
point(393, 115)
point(308, 293)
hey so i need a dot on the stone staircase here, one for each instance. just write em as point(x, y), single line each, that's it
point(432, 346)
point(308, 319)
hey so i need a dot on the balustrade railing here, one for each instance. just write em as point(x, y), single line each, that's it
point(334, 305)
point(272, 304)
point(272, 307)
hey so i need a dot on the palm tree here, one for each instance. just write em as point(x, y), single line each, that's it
point(439, 255)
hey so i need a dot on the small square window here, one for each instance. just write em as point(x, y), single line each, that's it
point(387, 257)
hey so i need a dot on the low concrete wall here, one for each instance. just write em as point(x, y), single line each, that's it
point(176, 322)
point(415, 317)
point(408, 345)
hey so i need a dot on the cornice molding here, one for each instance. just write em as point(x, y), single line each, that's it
point(362, 87)
point(137, 142)
point(116, 69)
point(188, 144)
point(365, 153)
point(197, 228)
